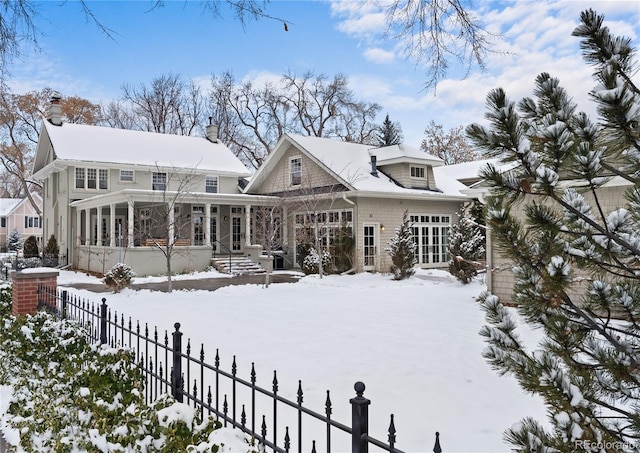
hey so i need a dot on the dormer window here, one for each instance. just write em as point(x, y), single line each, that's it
point(295, 170)
point(417, 172)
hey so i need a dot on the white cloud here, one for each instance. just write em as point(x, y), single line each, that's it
point(378, 55)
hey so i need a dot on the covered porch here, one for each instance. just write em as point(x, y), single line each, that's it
point(138, 227)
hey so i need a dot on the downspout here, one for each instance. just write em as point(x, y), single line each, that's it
point(355, 223)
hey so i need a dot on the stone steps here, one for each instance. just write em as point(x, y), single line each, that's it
point(236, 265)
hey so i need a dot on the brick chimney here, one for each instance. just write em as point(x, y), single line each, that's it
point(55, 110)
point(212, 131)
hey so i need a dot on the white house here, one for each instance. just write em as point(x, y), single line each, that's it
point(113, 195)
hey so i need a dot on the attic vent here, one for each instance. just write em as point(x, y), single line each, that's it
point(374, 166)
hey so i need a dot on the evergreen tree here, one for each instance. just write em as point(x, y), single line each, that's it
point(389, 133)
point(402, 249)
point(52, 249)
point(30, 248)
point(14, 240)
point(466, 247)
point(575, 263)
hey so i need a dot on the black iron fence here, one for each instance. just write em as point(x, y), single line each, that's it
point(170, 367)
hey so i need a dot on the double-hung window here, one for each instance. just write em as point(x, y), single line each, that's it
point(80, 178)
point(295, 169)
point(159, 181)
point(126, 175)
point(211, 184)
point(103, 178)
point(92, 177)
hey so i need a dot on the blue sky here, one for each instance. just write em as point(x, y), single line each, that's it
point(324, 36)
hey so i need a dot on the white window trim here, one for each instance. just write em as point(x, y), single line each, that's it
point(217, 184)
point(128, 181)
point(86, 178)
point(153, 182)
point(291, 159)
point(424, 172)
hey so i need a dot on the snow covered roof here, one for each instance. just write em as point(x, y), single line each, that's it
point(8, 204)
point(351, 164)
point(78, 142)
point(404, 153)
point(466, 171)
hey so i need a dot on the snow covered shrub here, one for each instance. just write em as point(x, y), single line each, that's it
point(466, 248)
point(5, 300)
point(402, 249)
point(310, 265)
point(30, 248)
point(27, 263)
point(119, 277)
point(66, 395)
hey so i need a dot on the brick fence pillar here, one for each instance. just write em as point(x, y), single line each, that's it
point(24, 291)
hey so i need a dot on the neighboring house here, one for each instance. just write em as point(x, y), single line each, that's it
point(368, 189)
point(104, 190)
point(500, 278)
point(19, 214)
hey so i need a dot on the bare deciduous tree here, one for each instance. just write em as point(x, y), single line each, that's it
point(20, 119)
point(161, 223)
point(252, 118)
point(452, 146)
point(438, 31)
point(168, 105)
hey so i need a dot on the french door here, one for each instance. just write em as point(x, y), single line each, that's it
point(370, 246)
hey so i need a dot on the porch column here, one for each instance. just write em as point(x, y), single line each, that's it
point(99, 226)
point(112, 225)
point(284, 222)
point(87, 226)
point(78, 226)
point(172, 226)
point(207, 224)
point(130, 224)
point(247, 224)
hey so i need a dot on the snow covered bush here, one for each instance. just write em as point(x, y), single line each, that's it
point(402, 249)
point(565, 213)
point(61, 394)
point(119, 277)
point(311, 262)
point(466, 248)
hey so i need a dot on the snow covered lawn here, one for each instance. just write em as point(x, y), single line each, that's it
point(414, 343)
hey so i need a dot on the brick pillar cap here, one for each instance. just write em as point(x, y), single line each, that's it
point(36, 272)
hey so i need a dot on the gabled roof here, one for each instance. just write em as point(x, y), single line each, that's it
point(85, 143)
point(350, 163)
point(8, 204)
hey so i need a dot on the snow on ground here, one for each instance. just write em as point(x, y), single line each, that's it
point(414, 343)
